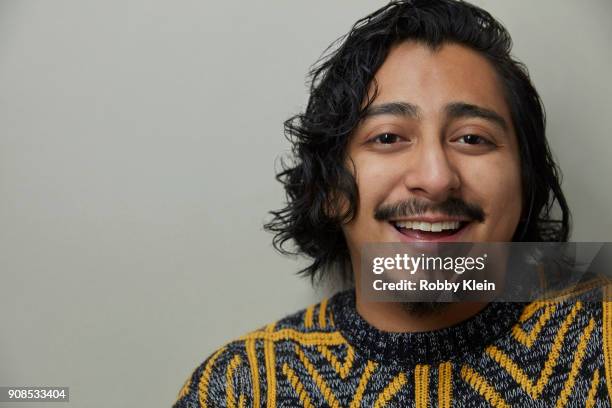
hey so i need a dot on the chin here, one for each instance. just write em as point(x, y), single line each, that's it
point(425, 308)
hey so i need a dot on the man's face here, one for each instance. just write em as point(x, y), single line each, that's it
point(436, 157)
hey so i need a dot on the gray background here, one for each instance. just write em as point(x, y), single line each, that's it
point(138, 142)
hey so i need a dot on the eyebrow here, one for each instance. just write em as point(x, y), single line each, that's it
point(453, 110)
point(393, 108)
point(457, 110)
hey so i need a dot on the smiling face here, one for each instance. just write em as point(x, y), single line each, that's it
point(436, 157)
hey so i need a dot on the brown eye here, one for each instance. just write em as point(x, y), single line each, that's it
point(473, 140)
point(386, 138)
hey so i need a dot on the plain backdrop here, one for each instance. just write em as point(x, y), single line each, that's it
point(138, 147)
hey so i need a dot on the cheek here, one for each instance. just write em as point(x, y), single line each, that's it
point(375, 180)
point(496, 186)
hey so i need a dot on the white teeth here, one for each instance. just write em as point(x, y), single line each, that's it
point(424, 226)
point(429, 226)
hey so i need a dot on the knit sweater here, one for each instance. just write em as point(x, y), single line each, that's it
point(544, 354)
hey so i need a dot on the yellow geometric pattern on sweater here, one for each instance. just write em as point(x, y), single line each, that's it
point(325, 370)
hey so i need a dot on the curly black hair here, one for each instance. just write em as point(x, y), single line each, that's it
point(316, 174)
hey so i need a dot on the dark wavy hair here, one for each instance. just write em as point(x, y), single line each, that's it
point(316, 176)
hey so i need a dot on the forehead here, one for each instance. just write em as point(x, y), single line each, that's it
point(430, 79)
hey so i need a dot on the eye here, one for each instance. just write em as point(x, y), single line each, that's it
point(386, 138)
point(473, 140)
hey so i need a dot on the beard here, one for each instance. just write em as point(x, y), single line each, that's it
point(424, 308)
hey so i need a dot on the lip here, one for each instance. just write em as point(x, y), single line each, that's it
point(423, 236)
point(430, 219)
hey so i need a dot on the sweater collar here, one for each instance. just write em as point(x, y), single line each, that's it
point(422, 347)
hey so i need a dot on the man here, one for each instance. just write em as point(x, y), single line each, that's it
point(419, 127)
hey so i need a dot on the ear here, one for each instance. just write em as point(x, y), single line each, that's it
point(336, 205)
point(330, 207)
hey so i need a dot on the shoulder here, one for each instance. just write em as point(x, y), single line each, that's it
point(585, 300)
point(232, 374)
point(209, 377)
point(567, 320)
point(572, 331)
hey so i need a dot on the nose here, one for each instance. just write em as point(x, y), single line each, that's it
point(430, 174)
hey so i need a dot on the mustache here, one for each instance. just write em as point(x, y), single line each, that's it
point(453, 207)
